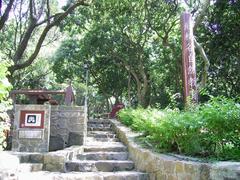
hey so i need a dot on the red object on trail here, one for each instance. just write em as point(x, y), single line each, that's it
point(117, 107)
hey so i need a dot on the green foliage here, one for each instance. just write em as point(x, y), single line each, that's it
point(4, 84)
point(220, 37)
point(35, 76)
point(222, 126)
point(4, 127)
point(4, 89)
point(132, 33)
point(133, 54)
point(210, 130)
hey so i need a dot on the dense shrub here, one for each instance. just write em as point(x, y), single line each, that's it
point(4, 128)
point(209, 130)
point(4, 104)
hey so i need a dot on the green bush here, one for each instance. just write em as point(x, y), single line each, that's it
point(4, 128)
point(222, 127)
point(209, 130)
point(4, 103)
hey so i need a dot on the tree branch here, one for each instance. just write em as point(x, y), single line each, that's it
point(206, 63)
point(43, 36)
point(48, 20)
point(5, 16)
point(24, 42)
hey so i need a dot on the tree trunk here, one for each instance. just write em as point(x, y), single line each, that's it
point(108, 105)
point(129, 89)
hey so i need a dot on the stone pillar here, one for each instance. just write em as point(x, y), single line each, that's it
point(31, 128)
point(188, 59)
point(68, 127)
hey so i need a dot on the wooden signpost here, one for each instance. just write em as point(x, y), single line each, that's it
point(188, 59)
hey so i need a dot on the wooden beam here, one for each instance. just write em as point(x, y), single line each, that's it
point(36, 92)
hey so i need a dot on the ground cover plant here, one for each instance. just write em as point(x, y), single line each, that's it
point(211, 130)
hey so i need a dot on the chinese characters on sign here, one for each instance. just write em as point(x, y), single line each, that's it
point(188, 59)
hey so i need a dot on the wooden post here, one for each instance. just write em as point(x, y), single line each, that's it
point(188, 59)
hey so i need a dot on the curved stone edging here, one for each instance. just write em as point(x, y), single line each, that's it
point(166, 167)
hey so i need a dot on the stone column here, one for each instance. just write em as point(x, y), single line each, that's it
point(188, 59)
point(31, 128)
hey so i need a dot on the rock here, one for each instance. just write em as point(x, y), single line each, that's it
point(75, 139)
point(105, 148)
point(56, 143)
point(101, 165)
point(103, 156)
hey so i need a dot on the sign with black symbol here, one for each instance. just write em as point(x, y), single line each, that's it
point(32, 119)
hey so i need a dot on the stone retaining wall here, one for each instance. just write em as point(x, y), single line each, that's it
point(68, 126)
point(62, 126)
point(167, 167)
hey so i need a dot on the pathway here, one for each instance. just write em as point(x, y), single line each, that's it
point(104, 156)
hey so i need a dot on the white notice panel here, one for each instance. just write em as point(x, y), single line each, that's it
point(28, 134)
point(33, 120)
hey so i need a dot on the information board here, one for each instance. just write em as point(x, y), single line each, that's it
point(31, 119)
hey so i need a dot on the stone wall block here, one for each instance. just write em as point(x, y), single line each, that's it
point(75, 139)
point(53, 162)
point(179, 168)
point(76, 128)
point(36, 158)
point(68, 120)
point(169, 167)
point(225, 171)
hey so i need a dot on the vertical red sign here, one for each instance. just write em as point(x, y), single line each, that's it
point(188, 59)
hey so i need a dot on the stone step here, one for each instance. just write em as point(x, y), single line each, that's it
point(99, 143)
point(109, 148)
point(99, 121)
point(101, 165)
point(99, 129)
point(103, 156)
point(101, 134)
point(121, 175)
point(104, 144)
point(30, 167)
point(99, 125)
point(92, 139)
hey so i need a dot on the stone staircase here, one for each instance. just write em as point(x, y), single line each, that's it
point(104, 156)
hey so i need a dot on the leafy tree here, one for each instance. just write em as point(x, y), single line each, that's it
point(122, 36)
point(138, 45)
point(221, 37)
point(27, 30)
point(36, 76)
